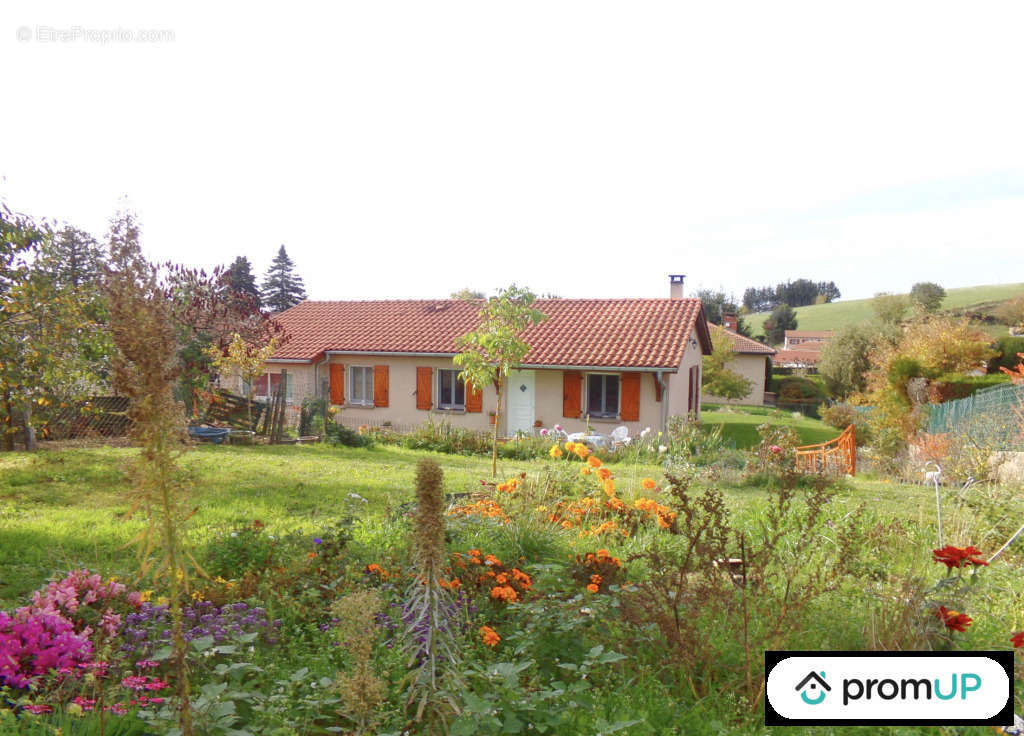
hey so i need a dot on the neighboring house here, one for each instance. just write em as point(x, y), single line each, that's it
point(620, 361)
point(802, 348)
point(753, 361)
point(806, 339)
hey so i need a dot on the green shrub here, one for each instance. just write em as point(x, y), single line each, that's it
point(241, 551)
point(339, 434)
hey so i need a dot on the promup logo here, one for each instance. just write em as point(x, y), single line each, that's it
point(813, 682)
point(874, 688)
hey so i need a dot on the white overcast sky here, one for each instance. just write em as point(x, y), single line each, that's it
point(408, 149)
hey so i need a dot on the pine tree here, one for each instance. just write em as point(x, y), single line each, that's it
point(240, 279)
point(281, 287)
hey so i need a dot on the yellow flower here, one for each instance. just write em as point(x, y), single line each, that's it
point(581, 450)
point(555, 452)
point(609, 487)
point(586, 470)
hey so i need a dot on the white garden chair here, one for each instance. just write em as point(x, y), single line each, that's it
point(620, 436)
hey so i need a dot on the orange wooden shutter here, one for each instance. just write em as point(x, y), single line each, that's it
point(424, 383)
point(337, 383)
point(657, 387)
point(380, 385)
point(572, 387)
point(630, 410)
point(474, 399)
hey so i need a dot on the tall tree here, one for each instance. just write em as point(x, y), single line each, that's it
point(496, 347)
point(927, 297)
point(50, 349)
point(782, 318)
point(72, 258)
point(282, 288)
point(240, 279)
point(890, 308)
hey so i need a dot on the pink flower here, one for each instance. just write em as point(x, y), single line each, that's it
point(775, 449)
point(156, 684)
point(37, 708)
point(85, 704)
point(134, 682)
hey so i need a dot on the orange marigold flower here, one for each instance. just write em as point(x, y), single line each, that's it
point(595, 579)
point(311, 555)
point(489, 636)
point(648, 483)
point(522, 578)
point(567, 524)
point(581, 450)
point(594, 461)
point(615, 504)
point(555, 452)
point(586, 470)
point(954, 620)
point(491, 560)
point(604, 473)
point(503, 487)
point(609, 487)
point(593, 588)
point(503, 578)
point(600, 553)
point(474, 553)
point(504, 593)
point(455, 583)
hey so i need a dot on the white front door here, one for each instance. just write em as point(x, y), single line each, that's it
point(520, 402)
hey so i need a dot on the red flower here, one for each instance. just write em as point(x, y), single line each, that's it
point(1017, 639)
point(954, 620)
point(952, 556)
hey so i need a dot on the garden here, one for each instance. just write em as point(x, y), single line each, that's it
point(387, 590)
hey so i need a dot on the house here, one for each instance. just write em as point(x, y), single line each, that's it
point(802, 348)
point(753, 361)
point(617, 361)
point(805, 339)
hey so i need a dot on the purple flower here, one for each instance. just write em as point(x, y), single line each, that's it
point(317, 540)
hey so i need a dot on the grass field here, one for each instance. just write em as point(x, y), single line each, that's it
point(843, 313)
point(740, 425)
point(62, 510)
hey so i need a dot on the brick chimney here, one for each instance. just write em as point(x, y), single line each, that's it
point(675, 285)
point(730, 322)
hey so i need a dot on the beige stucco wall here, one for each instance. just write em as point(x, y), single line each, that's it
point(678, 390)
point(403, 415)
point(751, 367)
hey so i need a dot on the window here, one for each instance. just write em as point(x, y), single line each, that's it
point(267, 384)
point(360, 385)
point(603, 395)
point(451, 391)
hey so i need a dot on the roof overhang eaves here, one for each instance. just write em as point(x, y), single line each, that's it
point(300, 361)
point(616, 368)
point(395, 354)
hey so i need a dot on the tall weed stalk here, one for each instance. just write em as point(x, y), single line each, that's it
point(145, 370)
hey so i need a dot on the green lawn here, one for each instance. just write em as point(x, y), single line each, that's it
point(843, 313)
point(65, 509)
point(740, 425)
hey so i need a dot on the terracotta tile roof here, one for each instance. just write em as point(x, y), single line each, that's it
point(797, 357)
point(745, 345)
point(623, 333)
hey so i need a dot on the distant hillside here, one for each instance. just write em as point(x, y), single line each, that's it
point(840, 314)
